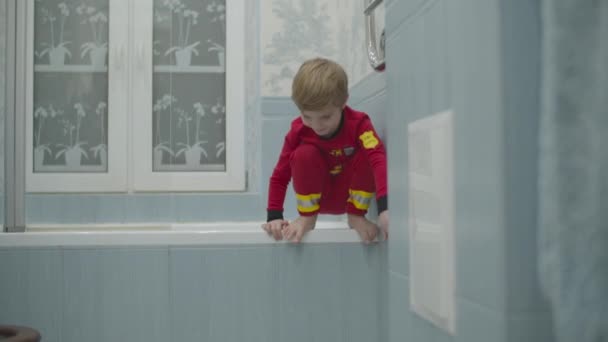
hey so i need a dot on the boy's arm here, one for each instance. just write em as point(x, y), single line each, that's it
point(280, 178)
point(374, 149)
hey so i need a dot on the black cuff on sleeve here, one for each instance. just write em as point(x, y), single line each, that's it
point(274, 215)
point(382, 204)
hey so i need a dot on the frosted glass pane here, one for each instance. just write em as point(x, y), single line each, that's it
point(70, 86)
point(189, 112)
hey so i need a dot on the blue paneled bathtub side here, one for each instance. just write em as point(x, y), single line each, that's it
point(31, 290)
point(318, 292)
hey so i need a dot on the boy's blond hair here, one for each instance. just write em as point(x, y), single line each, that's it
point(318, 83)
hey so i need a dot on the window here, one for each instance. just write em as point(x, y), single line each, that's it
point(135, 95)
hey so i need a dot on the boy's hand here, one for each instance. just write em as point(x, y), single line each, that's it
point(274, 228)
point(295, 231)
point(367, 230)
point(383, 223)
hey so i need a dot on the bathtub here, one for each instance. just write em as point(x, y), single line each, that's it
point(193, 282)
point(177, 234)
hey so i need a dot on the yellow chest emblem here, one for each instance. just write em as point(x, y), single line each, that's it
point(369, 140)
point(336, 153)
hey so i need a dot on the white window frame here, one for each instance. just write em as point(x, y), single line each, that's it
point(114, 180)
point(143, 176)
point(130, 74)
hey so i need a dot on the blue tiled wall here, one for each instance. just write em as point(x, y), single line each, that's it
point(480, 59)
point(325, 292)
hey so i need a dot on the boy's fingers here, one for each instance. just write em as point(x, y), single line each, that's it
point(267, 228)
point(285, 231)
point(298, 236)
point(288, 233)
point(276, 232)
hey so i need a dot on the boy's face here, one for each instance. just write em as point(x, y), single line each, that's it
point(323, 122)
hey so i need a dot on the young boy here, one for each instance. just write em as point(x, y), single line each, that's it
point(334, 156)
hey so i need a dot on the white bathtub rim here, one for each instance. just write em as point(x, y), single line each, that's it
point(230, 226)
point(176, 234)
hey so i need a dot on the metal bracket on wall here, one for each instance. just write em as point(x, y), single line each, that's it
point(374, 54)
point(14, 124)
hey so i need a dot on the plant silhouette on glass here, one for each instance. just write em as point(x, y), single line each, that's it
point(101, 150)
point(72, 150)
point(192, 152)
point(97, 49)
point(41, 114)
point(55, 49)
point(161, 147)
point(217, 11)
point(186, 20)
point(219, 111)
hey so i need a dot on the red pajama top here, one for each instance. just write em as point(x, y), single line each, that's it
point(356, 134)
